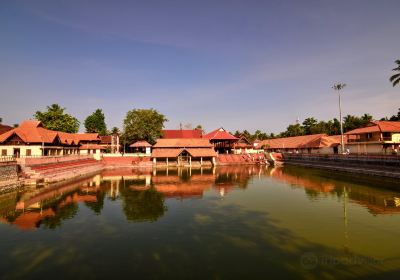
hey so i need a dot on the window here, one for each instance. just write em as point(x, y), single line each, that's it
point(28, 152)
point(4, 152)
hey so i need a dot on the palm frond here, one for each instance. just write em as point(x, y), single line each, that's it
point(394, 77)
point(396, 82)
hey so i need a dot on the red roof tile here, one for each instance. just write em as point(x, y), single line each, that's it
point(5, 128)
point(377, 126)
point(140, 144)
point(302, 142)
point(183, 143)
point(220, 134)
point(181, 133)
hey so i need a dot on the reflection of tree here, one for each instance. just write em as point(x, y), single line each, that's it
point(147, 205)
point(62, 213)
point(97, 205)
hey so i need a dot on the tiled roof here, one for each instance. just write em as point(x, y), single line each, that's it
point(220, 134)
point(164, 153)
point(201, 152)
point(377, 126)
point(181, 133)
point(302, 142)
point(5, 128)
point(140, 144)
point(105, 139)
point(91, 147)
point(183, 143)
point(32, 131)
point(194, 152)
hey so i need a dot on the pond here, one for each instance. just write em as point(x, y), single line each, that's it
point(244, 222)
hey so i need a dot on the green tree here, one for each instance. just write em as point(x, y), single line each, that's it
point(394, 117)
point(1, 120)
point(55, 119)
point(95, 123)
point(143, 124)
point(294, 130)
point(395, 79)
point(308, 124)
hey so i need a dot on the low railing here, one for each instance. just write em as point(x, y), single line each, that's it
point(35, 160)
point(7, 158)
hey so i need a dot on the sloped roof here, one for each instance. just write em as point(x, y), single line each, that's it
point(183, 143)
point(201, 152)
point(5, 128)
point(140, 144)
point(302, 142)
point(31, 131)
point(164, 153)
point(220, 134)
point(377, 126)
point(91, 147)
point(194, 152)
point(181, 133)
point(105, 139)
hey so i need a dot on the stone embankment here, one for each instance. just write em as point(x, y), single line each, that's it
point(377, 165)
point(56, 169)
point(8, 174)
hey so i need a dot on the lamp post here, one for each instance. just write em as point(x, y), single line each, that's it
point(338, 87)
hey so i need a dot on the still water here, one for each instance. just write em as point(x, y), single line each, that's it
point(224, 223)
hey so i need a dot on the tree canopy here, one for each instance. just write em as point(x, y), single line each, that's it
point(143, 124)
point(55, 119)
point(95, 123)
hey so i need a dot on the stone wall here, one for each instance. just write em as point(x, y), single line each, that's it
point(8, 175)
point(388, 166)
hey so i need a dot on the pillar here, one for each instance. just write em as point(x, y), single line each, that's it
point(167, 161)
point(190, 161)
point(201, 160)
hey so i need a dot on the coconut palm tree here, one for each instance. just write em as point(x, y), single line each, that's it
point(338, 87)
point(395, 79)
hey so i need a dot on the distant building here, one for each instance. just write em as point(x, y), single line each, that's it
point(312, 144)
point(111, 143)
point(143, 147)
point(181, 133)
point(183, 152)
point(30, 138)
point(223, 141)
point(378, 137)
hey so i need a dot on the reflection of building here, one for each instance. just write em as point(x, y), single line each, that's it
point(183, 152)
point(378, 137)
point(377, 201)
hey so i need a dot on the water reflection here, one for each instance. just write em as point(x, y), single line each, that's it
point(377, 198)
point(143, 193)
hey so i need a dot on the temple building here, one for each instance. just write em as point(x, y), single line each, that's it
point(31, 139)
point(378, 137)
point(311, 144)
point(142, 147)
point(223, 141)
point(183, 152)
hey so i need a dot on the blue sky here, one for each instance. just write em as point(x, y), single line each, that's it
point(237, 64)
